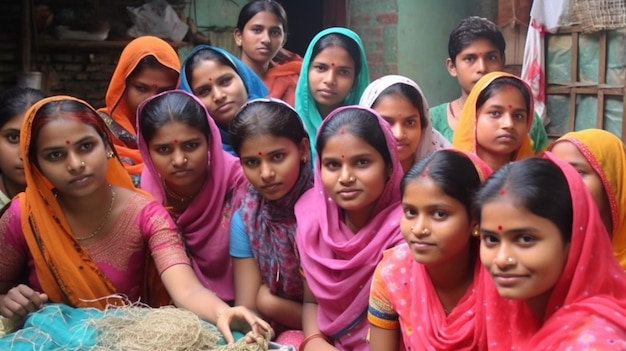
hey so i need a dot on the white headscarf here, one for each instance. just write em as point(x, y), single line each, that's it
point(431, 139)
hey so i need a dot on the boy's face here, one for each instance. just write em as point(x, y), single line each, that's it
point(474, 61)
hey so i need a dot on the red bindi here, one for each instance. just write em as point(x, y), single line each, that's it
point(175, 141)
point(210, 79)
point(342, 156)
point(341, 131)
point(67, 142)
point(423, 175)
point(510, 107)
point(500, 228)
point(154, 86)
point(502, 192)
point(260, 153)
point(480, 54)
point(332, 64)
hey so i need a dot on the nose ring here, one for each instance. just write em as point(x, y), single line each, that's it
point(509, 259)
point(185, 160)
point(350, 180)
point(82, 164)
point(424, 231)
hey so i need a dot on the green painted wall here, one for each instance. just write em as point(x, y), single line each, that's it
point(423, 30)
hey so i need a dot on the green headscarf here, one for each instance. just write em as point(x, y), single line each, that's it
point(305, 104)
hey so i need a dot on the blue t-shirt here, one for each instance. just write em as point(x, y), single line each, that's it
point(239, 240)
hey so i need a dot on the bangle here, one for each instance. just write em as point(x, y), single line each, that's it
point(311, 337)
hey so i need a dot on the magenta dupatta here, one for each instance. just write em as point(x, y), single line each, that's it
point(205, 224)
point(338, 264)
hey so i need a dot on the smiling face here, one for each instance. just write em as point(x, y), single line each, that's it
point(331, 77)
point(272, 164)
point(262, 37)
point(220, 88)
point(353, 172)
point(72, 155)
point(569, 153)
point(147, 82)
point(501, 123)
point(446, 219)
point(179, 154)
point(524, 253)
point(11, 166)
point(404, 119)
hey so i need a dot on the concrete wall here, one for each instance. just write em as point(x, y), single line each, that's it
point(410, 37)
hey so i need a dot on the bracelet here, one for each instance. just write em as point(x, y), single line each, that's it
point(311, 337)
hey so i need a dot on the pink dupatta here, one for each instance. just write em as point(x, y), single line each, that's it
point(205, 224)
point(338, 264)
point(591, 289)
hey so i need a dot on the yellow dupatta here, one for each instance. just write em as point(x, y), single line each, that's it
point(465, 134)
point(606, 154)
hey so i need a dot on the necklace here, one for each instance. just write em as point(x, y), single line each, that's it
point(458, 103)
point(175, 196)
point(104, 221)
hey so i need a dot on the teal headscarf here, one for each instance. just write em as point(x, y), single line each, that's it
point(305, 104)
point(254, 85)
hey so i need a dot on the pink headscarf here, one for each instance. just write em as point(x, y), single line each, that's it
point(205, 224)
point(338, 264)
point(587, 306)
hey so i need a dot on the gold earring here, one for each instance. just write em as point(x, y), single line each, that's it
point(476, 232)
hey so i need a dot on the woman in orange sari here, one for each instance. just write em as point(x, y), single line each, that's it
point(600, 157)
point(495, 120)
point(261, 33)
point(147, 66)
point(82, 235)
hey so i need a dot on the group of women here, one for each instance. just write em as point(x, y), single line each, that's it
point(292, 198)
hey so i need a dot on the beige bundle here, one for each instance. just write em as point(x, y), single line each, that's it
point(165, 328)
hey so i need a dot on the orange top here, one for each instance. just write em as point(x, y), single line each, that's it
point(116, 113)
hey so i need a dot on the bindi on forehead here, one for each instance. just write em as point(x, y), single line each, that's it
point(175, 141)
point(500, 227)
point(210, 79)
point(332, 64)
point(260, 153)
point(154, 86)
point(67, 142)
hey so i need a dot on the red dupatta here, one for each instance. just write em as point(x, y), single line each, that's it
point(592, 286)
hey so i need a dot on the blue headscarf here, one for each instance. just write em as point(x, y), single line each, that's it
point(254, 85)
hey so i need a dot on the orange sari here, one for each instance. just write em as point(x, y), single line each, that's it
point(116, 113)
point(65, 271)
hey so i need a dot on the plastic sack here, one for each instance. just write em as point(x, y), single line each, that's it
point(156, 18)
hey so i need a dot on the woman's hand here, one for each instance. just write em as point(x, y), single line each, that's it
point(20, 301)
point(242, 319)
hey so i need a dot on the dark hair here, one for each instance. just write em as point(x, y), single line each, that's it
point(342, 41)
point(206, 55)
point(250, 10)
point(536, 184)
point(148, 62)
point(409, 93)
point(452, 171)
point(78, 110)
point(471, 29)
point(360, 123)
point(496, 85)
point(172, 106)
point(264, 117)
point(16, 101)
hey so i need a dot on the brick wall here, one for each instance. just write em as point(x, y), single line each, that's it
point(82, 74)
point(376, 22)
